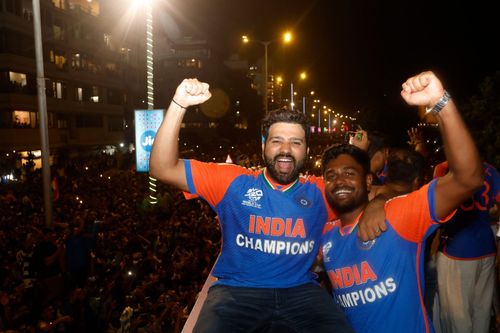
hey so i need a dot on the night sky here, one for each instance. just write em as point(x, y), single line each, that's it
point(357, 53)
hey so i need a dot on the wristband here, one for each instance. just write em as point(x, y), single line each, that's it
point(173, 100)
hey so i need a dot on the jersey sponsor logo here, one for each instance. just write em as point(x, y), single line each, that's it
point(253, 195)
point(366, 295)
point(276, 226)
point(274, 246)
point(346, 277)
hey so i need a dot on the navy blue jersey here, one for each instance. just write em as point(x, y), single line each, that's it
point(468, 236)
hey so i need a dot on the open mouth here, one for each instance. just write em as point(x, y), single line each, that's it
point(343, 192)
point(284, 164)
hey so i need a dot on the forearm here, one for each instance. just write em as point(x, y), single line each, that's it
point(461, 152)
point(164, 160)
point(465, 172)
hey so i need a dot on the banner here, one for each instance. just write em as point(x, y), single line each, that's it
point(147, 123)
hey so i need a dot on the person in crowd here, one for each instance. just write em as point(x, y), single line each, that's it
point(271, 222)
point(405, 174)
point(78, 247)
point(377, 146)
point(48, 262)
point(50, 321)
point(466, 259)
point(379, 282)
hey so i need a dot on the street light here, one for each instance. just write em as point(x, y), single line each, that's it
point(302, 76)
point(287, 38)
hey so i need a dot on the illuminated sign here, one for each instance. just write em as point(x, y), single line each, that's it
point(147, 123)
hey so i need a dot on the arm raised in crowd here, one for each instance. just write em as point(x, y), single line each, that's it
point(164, 162)
point(465, 175)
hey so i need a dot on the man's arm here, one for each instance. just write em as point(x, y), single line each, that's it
point(164, 163)
point(465, 174)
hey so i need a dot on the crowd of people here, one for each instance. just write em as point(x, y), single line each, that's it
point(107, 251)
point(113, 262)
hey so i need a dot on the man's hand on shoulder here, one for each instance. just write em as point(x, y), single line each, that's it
point(372, 221)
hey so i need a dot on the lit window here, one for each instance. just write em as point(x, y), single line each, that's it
point(79, 94)
point(76, 61)
point(59, 61)
point(18, 78)
point(61, 4)
point(107, 40)
point(58, 90)
point(95, 95)
point(24, 119)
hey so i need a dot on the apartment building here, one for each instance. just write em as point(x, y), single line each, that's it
point(94, 75)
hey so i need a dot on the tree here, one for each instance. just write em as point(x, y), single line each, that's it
point(482, 116)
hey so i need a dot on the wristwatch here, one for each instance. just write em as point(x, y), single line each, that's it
point(440, 104)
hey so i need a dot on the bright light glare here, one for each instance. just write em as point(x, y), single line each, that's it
point(287, 37)
point(245, 39)
point(135, 4)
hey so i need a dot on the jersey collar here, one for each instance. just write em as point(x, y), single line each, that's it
point(275, 186)
point(348, 229)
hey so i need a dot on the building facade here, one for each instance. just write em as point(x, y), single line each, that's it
point(93, 75)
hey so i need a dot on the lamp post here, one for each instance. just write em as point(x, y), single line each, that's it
point(279, 83)
point(329, 121)
point(319, 119)
point(42, 111)
point(287, 38)
point(304, 101)
point(303, 76)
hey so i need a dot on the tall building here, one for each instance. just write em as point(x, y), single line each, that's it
point(232, 106)
point(94, 75)
point(94, 55)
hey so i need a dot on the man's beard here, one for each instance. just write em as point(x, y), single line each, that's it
point(284, 178)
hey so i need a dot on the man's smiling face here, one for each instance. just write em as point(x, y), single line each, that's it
point(285, 151)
